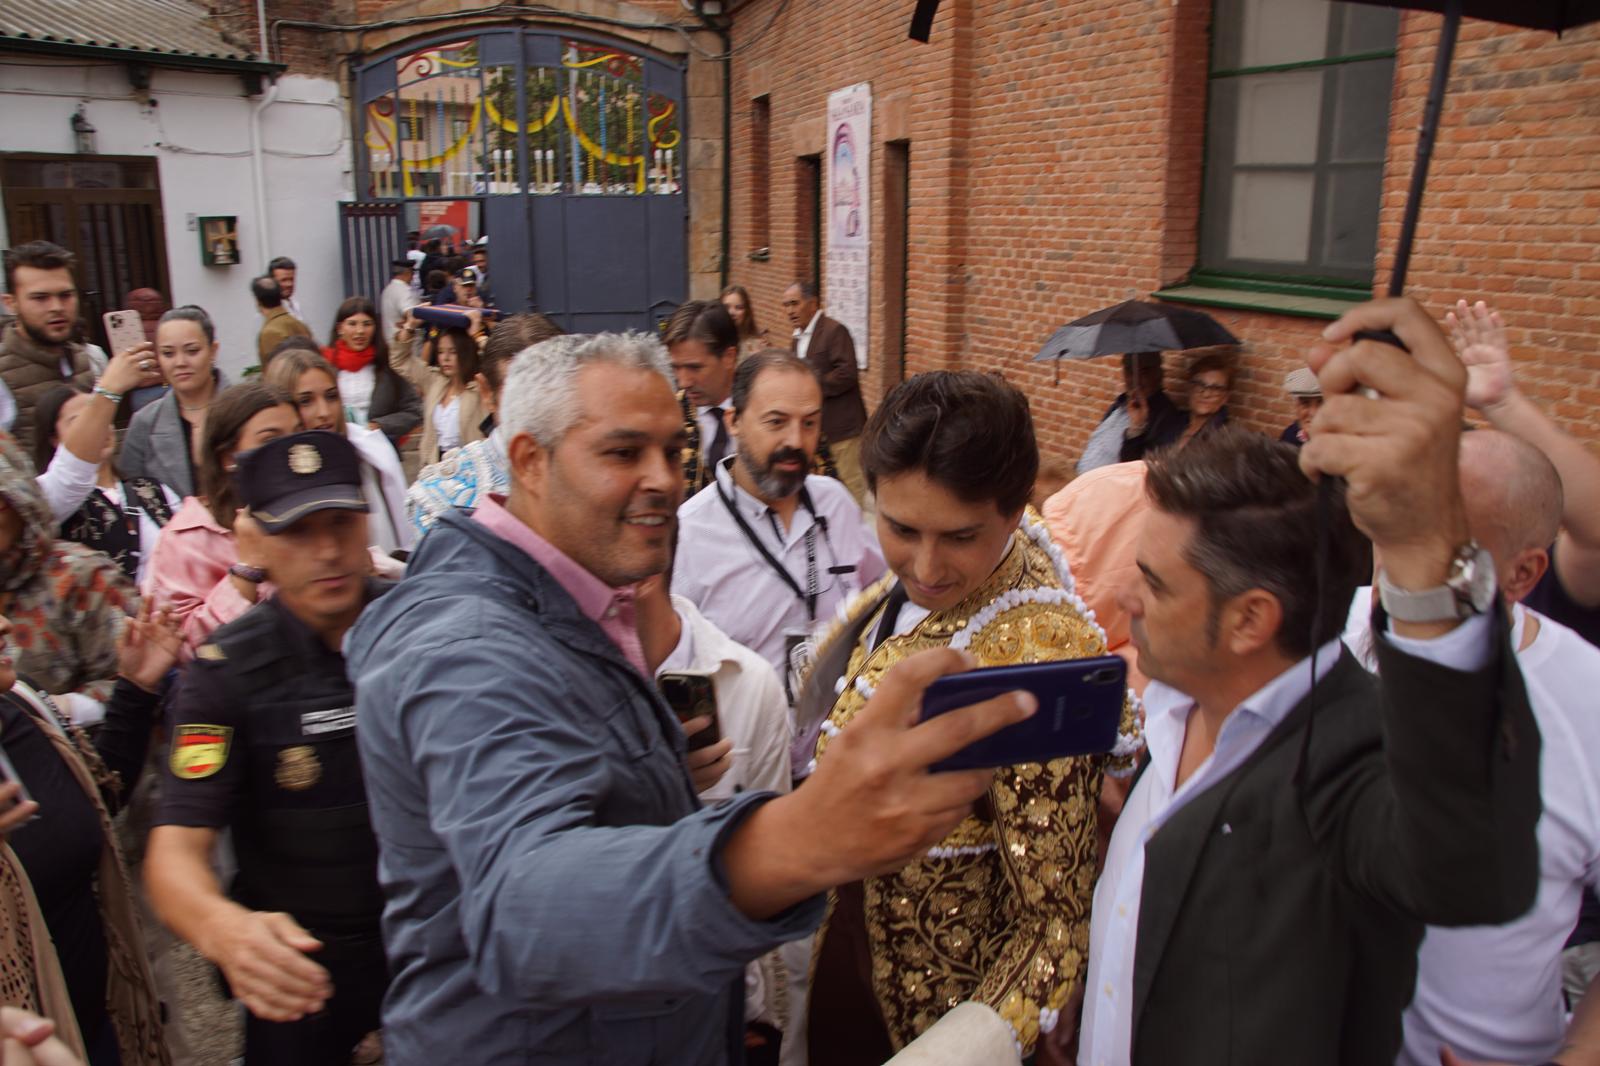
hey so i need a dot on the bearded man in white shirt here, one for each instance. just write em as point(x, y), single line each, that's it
point(768, 552)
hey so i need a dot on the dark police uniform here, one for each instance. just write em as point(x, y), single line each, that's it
point(264, 743)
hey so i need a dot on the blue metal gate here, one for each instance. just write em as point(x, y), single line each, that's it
point(567, 151)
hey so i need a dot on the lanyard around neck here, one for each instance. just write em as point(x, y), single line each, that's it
point(807, 595)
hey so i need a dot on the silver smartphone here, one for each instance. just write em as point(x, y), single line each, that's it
point(124, 329)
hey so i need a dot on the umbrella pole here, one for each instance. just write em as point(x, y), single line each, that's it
point(1425, 138)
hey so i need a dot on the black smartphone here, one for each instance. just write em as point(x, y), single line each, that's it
point(1080, 707)
point(691, 695)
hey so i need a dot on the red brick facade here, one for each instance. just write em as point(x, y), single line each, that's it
point(1056, 168)
point(1055, 158)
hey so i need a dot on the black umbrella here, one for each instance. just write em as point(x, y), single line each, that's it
point(1135, 326)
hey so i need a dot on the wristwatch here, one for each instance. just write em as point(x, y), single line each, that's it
point(1470, 589)
point(245, 572)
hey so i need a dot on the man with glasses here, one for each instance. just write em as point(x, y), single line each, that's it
point(773, 551)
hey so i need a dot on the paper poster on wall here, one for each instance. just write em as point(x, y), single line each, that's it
point(848, 206)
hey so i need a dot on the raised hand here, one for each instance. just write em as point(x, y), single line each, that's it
point(150, 646)
point(1479, 336)
point(872, 805)
point(130, 368)
point(1397, 449)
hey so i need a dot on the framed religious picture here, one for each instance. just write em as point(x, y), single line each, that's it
point(219, 240)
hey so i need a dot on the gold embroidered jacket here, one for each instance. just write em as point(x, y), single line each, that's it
point(999, 911)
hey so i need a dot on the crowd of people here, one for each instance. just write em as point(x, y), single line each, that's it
point(361, 678)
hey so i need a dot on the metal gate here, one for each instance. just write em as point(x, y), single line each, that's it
point(567, 151)
point(373, 236)
point(106, 210)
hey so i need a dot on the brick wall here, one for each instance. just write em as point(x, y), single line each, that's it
point(304, 51)
point(1055, 169)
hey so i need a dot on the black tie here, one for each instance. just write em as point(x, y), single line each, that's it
point(719, 440)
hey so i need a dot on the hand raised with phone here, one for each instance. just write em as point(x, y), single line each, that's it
point(873, 803)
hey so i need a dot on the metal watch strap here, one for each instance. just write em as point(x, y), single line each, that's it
point(1451, 601)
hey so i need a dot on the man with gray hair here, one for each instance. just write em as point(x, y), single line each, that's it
point(555, 892)
point(1493, 993)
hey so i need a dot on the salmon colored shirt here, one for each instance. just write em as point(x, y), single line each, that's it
point(1096, 520)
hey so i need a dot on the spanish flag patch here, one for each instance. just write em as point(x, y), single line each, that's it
point(200, 750)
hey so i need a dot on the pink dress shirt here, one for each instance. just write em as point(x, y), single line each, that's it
point(189, 573)
point(609, 608)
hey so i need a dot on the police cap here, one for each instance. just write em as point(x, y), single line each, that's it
point(286, 479)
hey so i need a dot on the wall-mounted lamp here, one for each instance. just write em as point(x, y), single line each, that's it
point(82, 134)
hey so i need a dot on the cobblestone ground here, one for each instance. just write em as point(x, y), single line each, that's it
point(210, 1031)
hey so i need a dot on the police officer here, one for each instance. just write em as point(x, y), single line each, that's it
point(263, 743)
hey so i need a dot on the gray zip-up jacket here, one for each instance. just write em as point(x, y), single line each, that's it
point(554, 891)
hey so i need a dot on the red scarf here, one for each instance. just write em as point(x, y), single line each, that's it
point(347, 358)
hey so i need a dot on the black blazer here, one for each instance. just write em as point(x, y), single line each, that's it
point(1275, 933)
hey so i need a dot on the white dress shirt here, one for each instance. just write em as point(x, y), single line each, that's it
point(1107, 1030)
point(708, 424)
point(722, 573)
point(396, 300)
point(802, 337)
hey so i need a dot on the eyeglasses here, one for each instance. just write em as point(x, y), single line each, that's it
point(1209, 390)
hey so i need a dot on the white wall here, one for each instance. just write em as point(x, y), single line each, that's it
point(198, 127)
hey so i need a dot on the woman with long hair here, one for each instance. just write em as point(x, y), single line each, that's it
point(446, 376)
point(752, 338)
point(312, 383)
point(121, 516)
point(160, 443)
point(192, 569)
point(373, 394)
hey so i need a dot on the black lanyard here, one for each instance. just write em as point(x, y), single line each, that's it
point(809, 594)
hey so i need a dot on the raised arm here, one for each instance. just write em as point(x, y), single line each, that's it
point(1446, 832)
point(1479, 335)
point(403, 358)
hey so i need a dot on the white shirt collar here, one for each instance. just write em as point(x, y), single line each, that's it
point(810, 326)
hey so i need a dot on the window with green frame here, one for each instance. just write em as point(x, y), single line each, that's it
point(1296, 129)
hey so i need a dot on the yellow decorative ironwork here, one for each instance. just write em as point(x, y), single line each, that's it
point(383, 132)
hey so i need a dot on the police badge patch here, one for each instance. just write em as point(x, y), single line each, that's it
point(298, 768)
point(200, 750)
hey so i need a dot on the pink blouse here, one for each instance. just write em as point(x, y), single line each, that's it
point(189, 573)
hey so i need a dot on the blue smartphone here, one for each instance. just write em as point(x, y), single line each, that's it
point(1080, 707)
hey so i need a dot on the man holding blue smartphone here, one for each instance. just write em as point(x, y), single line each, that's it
point(998, 911)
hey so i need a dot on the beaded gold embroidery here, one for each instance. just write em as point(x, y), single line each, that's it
point(999, 911)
